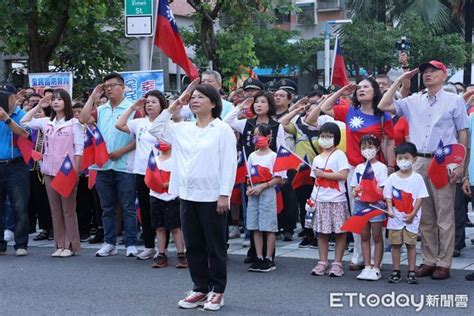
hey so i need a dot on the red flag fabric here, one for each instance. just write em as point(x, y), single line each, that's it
point(260, 174)
point(88, 155)
point(445, 157)
point(236, 196)
point(241, 169)
point(303, 176)
point(286, 160)
point(279, 197)
point(339, 72)
point(26, 147)
point(152, 174)
point(326, 183)
point(66, 179)
point(138, 211)
point(402, 200)
point(101, 154)
point(357, 222)
point(92, 178)
point(167, 38)
point(371, 192)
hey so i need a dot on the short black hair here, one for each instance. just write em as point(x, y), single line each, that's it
point(213, 95)
point(264, 129)
point(406, 148)
point(333, 129)
point(48, 90)
point(114, 75)
point(35, 95)
point(78, 104)
point(369, 139)
point(271, 102)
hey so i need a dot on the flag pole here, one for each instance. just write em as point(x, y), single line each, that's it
point(155, 20)
point(246, 167)
point(336, 42)
point(378, 208)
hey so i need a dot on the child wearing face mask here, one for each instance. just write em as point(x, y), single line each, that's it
point(369, 147)
point(262, 198)
point(404, 191)
point(328, 199)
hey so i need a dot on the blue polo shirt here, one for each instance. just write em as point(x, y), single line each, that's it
point(115, 139)
point(7, 150)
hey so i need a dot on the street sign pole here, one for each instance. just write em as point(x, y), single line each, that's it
point(139, 21)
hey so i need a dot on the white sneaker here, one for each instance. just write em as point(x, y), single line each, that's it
point(193, 300)
point(20, 252)
point(363, 275)
point(146, 254)
point(214, 301)
point(246, 243)
point(106, 250)
point(374, 274)
point(57, 252)
point(132, 251)
point(234, 232)
point(8, 235)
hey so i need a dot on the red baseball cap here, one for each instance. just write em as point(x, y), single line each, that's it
point(435, 64)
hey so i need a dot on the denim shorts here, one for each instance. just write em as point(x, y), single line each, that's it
point(262, 211)
point(361, 206)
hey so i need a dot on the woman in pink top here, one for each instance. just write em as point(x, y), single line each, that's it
point(63, 136)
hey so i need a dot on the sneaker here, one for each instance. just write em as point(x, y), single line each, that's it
point(98, 237)
point(374, 275)
point(246, 243)
point(255, 266)
point(20, 252)
point(84, 237)
point(249, 259)
point(267, 266)
point(320, 268)
point(394, 277)
point(106, 250)
point(336, 270)
point(161, 261)
point(193, 300)
point(234, 232)
point(411, 278)
point(66, 253)
point(146, 254)
point(132, 251)
point(364, 274)
point(305, 243)
point(8, 235)
point(302, 234)
point(214, 301)
point(314, 243)
point(182, 262)
point(57, 252)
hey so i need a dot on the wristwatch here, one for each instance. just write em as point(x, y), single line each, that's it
point(8, 121)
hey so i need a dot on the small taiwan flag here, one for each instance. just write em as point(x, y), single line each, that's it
point(445, 157)
point(236, 197)
point(402, 201)
point(92, 178)
point(303, 176)
point(26, 147)
point(138, 211)
point(279, 198)
point(260, 174)
point(371, 193)
point(88, 155)
point(66, 179)
point(101, 153)
point(286, 160)
point(357, 222)
point(241, 169)
point(152, 174)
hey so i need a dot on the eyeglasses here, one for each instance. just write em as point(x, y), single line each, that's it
point(111, 85)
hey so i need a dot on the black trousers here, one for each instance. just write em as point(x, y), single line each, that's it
point(302, 194)
point(143, 194)
point(205, 237)
point(460, 218)
point(84, 205)
point(288, 216)
point(38, 204)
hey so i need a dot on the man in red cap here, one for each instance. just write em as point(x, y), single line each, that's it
point(433, 115)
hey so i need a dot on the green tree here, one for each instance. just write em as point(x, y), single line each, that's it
point(84, 36)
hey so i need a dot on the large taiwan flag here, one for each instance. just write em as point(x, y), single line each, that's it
point(402, 200)
point(339, 72)
point(167, 38)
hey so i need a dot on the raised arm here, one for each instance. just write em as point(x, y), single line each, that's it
point(121, 124)
point(16, 129)
point(233, 117)
point(85, 117)
point(386, 104)
point(406, 84)
point(297, 109)
point(43, 103)
point(327, 105)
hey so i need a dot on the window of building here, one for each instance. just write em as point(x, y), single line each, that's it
point(306, 14)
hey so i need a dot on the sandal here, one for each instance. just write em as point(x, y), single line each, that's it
point(336, 270)
point(320, 268)
point(42, 236)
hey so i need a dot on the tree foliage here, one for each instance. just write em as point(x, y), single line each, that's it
point(83, 36)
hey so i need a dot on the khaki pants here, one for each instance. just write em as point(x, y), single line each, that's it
point(63, 214)
point(437, 221)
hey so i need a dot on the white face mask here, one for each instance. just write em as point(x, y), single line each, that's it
point(369, 153)
point(326, 142)
point(404, 164)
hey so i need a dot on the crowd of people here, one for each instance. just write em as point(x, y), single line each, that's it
point(198, 144)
